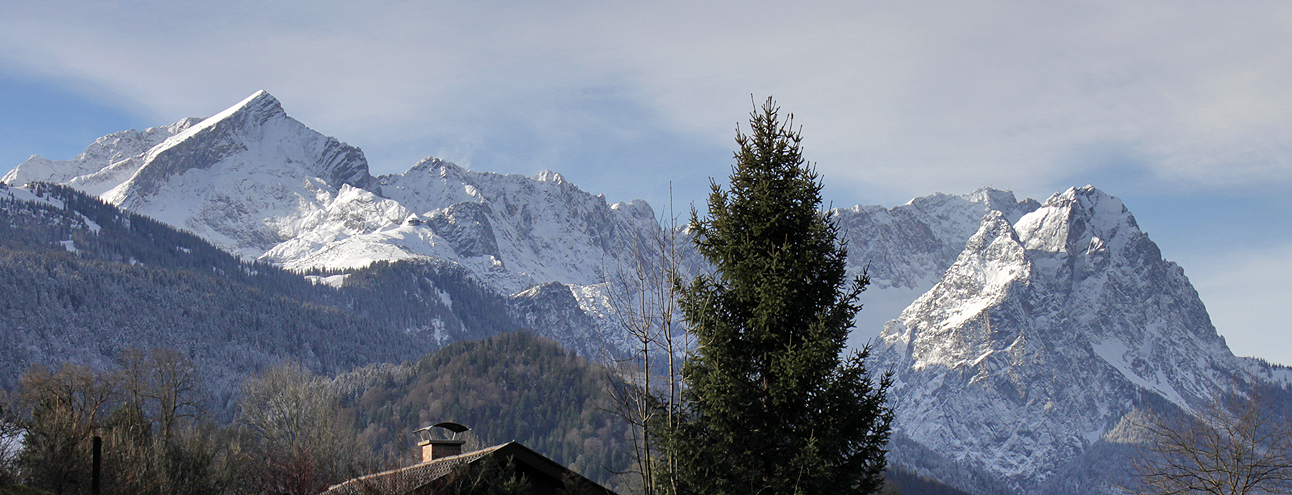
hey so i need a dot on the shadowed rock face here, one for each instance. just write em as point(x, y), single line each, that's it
point(466, 226)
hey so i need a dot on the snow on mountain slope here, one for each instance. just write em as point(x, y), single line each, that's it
point(912, 244)
point(908, 247)
point(262, 185)
point(1043, 334)
point(514, 231)
point(109, 157)
point(21, 194)
point(542, 226)
point(243, 179)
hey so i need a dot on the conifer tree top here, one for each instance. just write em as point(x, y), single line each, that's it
point(774, 404)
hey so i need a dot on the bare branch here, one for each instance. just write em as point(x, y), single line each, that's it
point(1236, 445)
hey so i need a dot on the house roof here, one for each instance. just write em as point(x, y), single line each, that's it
point(416, 478)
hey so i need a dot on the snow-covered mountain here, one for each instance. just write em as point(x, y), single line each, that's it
point(905, 249)
point(1035, 329)
point(262, 185)
point(909, 246)
point(1044, 333)
point(245, 179)
point(516, 232)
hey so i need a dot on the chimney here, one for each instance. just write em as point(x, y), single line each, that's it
point(436, 448)
point(439, 449)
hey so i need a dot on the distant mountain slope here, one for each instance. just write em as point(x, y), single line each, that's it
point(99, 157)
point(83, 290)
point(85, 280)
point(909, 246)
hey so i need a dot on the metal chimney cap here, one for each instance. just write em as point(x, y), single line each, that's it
point(448, 425)
point(425, 431)
point(451, 426)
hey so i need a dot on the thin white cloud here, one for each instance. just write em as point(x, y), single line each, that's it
point(897, 99)
point(910, 97)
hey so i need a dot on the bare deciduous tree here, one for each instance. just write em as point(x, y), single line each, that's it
point(1240, 444)
point(163, 382)
point(174, 389)
point(146, 414)
point(307, 441)
point(10, 437)
point(643, 294)
point(66, 407)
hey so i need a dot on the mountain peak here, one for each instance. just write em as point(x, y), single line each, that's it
point(257, 108)
point(549, 176)
point(260, 100)
point(1076, 219)
point(1088, 194)
point(1090, 202)
point(254, 133)
point(436, 166)
point(230, 177)
point(988, 193)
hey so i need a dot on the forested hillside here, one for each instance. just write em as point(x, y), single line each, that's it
point(298, 432)
point(514, 386)
point(84, 280)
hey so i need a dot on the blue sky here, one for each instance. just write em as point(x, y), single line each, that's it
point(1183, 108)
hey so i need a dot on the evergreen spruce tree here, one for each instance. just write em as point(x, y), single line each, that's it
point(773, 404)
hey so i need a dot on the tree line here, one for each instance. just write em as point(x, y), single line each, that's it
point(147, 410)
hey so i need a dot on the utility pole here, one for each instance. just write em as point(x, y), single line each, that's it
point(96, 466)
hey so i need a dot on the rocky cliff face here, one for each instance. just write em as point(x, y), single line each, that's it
point(1043, 334)
point(514, 231)
point(909, 246)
